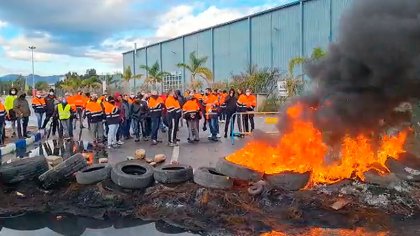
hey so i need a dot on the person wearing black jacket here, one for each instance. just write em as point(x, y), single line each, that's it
point(138, 112)
point(50, 102)
point(230, 102)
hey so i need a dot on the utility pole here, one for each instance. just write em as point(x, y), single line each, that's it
point(33, 70)
point(134, 65)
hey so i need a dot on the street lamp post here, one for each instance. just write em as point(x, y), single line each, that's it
point(33, 70)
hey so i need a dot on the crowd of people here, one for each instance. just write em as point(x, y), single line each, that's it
point(114, 118)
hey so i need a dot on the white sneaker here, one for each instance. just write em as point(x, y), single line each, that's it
point(210, 135)
point(120, 142)
point(218, 136)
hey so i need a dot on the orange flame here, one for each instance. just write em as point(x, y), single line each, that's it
point(302, 149)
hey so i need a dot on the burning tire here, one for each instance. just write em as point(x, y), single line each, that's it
point(237, 171)
point(63, 170)
point(132, 175)
point(23, 169)
point(210, 178)
point(402, 171)
point(288, 180)
point(173, 173)
point(93, 174)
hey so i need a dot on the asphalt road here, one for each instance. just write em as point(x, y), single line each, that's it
point(204, 153)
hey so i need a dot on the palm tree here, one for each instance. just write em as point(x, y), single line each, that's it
point(196, 68)
point(295, 84)
point(110, 80)
point(127, 76)
point(154, 75)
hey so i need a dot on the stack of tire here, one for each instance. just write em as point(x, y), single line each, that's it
point(225, 172)
point(135, 174)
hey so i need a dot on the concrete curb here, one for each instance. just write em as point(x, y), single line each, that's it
point(20, 143)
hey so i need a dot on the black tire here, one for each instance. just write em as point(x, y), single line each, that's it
point(23, 169)
point(173, 173)
point(132, 174)
point(210, 178)
point(93, 174)
point(63, 170)
point(288, 180)
point(91, 223)
point(122, 223)
point(26, 222)
point(237, 171)
point(166, 228)
point(402, 170)
point(68, 225)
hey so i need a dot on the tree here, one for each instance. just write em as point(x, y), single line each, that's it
point(127, 76)
point(196, 68)
point(42, 86)
point(259, 80)
point(154, 75)
point(295, 84)
point(110, 80)
point(71, 83)
point(91, 83)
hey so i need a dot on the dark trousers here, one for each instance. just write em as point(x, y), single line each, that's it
point(126, 128)
point(54, 123)
point(155, 126)
point(22, 126)
point(228, 124)
point(147, 124)
point(71, 120)
point(2, 132)
point(138, 127)
point(79, 116)
point(214, 125)
point(223, 114)
point(173, 125)
point(248, 119)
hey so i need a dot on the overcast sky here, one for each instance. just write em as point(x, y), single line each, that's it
point(74, 35)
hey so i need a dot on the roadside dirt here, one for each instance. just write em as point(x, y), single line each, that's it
point(227, 211)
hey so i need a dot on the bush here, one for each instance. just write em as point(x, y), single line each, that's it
point(271, 104)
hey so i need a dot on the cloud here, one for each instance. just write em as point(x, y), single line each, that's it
point(3, 24)
point(181, 19)
point(76, 22)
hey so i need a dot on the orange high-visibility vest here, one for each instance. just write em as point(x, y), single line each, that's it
point(172, 105)
point(70, 101)
point(94, 112)
point(2, 111)
point(112, 113)
point(155, 106)
point(79, 100)
point(38, 104)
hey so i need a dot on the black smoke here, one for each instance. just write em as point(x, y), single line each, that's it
point(371, 69)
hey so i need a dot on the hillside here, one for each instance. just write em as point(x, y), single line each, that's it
point(49, 79)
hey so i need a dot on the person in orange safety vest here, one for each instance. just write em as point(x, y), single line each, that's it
point(95, 114)
point(38, 104)
point(191, 111)
point(247, 103)
point(173, 114)
point(155, 104)
point(79, 101)
point(211, 102)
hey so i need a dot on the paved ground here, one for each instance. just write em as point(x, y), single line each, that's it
point(204, 153)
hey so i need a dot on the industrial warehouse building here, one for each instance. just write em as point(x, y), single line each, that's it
point(266, 39)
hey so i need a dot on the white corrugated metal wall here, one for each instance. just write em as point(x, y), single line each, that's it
point(267, 39)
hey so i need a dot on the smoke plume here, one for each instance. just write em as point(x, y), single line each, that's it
point(371, 69)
